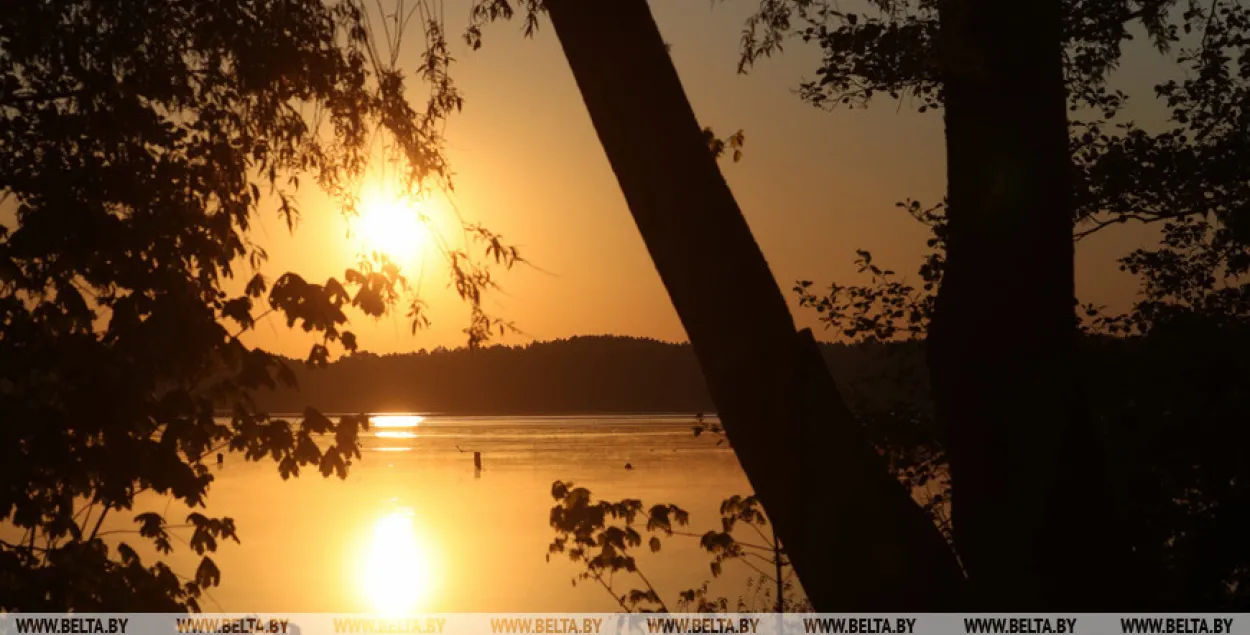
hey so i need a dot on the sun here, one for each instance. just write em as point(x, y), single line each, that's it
point(392, 225)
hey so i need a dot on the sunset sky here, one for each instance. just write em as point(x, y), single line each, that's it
point(814, 186)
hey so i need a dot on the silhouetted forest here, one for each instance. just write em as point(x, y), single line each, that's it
point(584, 374)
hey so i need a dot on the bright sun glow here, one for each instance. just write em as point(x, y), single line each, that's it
point(395, 421)
point(395, 434)
point(391, 224)
point(397, 572)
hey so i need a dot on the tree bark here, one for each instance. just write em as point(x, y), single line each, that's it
point(1026, 488)
point(857, 540)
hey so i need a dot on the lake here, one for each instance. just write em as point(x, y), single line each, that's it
point(416, 527)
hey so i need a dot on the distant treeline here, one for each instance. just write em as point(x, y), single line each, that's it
point(579, 375)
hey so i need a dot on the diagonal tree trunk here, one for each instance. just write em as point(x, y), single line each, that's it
point(857, 540)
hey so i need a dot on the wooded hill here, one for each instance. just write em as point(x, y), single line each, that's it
point(579, 375)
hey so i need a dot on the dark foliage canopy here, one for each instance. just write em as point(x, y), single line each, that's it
point(138, 143)
point(1166, 379)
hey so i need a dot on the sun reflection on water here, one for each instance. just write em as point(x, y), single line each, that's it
point(398, 571)
point(395, 421)
point(395, 434)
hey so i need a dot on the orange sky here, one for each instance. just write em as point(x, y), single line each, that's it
point(814, 186)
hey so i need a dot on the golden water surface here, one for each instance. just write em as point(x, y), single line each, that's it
point(415, 527)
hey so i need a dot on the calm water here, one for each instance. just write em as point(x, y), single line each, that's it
point(414, 527)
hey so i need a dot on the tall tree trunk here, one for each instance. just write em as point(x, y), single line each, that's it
point(1023, 463)
point(857, 540)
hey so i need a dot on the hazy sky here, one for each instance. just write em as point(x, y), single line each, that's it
point(814, 186)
